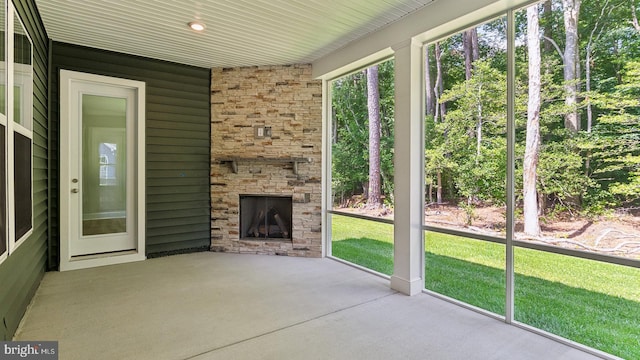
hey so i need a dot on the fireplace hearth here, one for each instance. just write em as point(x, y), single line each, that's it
point(265, 217)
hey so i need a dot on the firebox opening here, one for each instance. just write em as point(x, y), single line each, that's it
point(265, 217)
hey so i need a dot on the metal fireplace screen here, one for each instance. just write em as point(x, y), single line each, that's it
point(265, 217)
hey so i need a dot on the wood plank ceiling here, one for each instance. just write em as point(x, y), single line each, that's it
point(237, 33)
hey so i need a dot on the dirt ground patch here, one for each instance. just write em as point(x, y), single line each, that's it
point(617, 235)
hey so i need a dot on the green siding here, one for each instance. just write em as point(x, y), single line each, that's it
point(21, 272)
point(178, 143)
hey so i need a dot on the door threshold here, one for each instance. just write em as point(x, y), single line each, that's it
point(95, 260)
point(103, 255)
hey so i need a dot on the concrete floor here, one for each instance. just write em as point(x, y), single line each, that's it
point(227, 306)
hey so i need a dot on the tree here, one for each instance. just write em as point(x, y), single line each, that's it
point(440, 110)
point(350, 143)
point(634, 17)
point(548, 26)
point(574, 171)
point(594, 36)
point(471, 54)
point(439, 85)
point(429, 96)
point(373, 106)
point(471, 50)
point(571, 61)
point(349, 166)
point(477, 165)
point(532, 142)
point(615, 142)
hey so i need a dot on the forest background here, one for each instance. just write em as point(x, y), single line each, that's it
point(577, 127)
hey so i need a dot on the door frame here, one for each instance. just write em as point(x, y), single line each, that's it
point(68, 262)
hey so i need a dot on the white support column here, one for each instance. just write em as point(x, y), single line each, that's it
point(408, 268)
point(327, 195)
point(511, 139)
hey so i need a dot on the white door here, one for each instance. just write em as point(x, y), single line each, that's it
point(101, 170)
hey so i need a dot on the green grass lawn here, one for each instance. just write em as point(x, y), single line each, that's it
point(593, 303)
point(363, 242)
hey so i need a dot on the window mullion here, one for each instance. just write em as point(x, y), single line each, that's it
point(4, 237)
point(511, 74)
point(11, 201)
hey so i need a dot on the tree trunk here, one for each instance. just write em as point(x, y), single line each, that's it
point(634, 20)
point(429, 108)
point(439, 86)
point(439, 188)
point(471, 50)
point(532, 147)
point(547, 12)
point(334, 126)
point(587, 67)
point(468, 53)
point(440, 111)
point(373, 105)
point(479, 127)
point(571, 59)
point(471, 54)
point(548, 44)
point(475, 54)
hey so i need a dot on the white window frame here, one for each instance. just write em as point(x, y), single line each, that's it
point(3, 121)
point(20, 75)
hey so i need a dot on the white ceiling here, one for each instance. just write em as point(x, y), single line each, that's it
point(238, 32)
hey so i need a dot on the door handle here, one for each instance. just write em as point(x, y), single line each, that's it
point(75, 191)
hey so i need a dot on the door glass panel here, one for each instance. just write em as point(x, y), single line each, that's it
point(104, 156)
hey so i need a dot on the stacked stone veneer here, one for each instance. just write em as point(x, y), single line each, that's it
point(287, 99)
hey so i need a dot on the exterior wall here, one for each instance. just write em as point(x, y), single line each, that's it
point(287, 99)
point(21, 272)
point(177, 128)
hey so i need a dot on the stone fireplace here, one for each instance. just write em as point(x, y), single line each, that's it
point(266, 139)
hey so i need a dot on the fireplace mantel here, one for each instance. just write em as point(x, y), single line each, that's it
point(233, 161)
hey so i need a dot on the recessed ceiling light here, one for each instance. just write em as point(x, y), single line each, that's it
point(196, 26)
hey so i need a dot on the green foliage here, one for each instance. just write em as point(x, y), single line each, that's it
point(561, 175)
point(452, 145)
point(613, 146)
point(593, 171)
point(350, 123)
